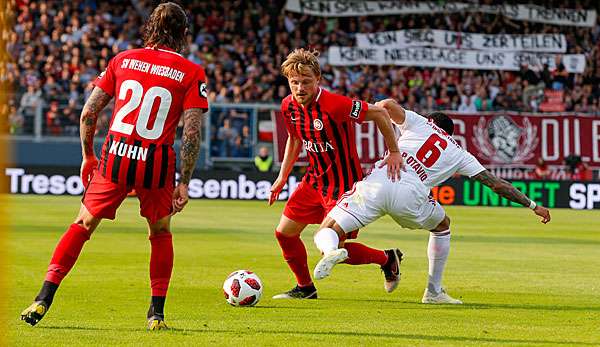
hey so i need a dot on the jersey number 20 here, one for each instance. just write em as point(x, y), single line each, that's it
point(431, 150)
point(147, 101)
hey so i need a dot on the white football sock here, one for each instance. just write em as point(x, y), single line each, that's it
point(326, 240)
point(437, 252)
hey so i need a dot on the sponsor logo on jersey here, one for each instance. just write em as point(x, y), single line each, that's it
point(317, 147)
point(502, 140)
point(318, 124)
point(202, 89)
point(130, 151)
point(356, 108)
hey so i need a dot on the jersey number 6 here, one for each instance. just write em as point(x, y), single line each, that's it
point(147, 101)
point(431, 150)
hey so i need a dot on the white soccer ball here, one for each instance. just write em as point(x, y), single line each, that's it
point(242, 288)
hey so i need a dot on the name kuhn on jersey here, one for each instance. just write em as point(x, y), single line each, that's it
point(152, 87)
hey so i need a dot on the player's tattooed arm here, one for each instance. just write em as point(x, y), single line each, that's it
point(89, 116)
point(502, 187)
point(190, 142)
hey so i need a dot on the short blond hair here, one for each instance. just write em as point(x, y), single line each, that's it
point(299, 61)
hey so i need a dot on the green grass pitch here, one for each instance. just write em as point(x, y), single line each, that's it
point(523, 283)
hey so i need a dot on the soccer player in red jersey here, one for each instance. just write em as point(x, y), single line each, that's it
point(154, 87)
point(322, 123)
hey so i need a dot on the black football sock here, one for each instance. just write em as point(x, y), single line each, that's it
point(47, 292)
point(158, 305)
point(308, 289)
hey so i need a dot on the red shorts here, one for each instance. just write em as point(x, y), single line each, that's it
point(308, 206)
point(102, 198)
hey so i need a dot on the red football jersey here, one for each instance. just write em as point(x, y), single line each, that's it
point(326, 128)
point(152, 87)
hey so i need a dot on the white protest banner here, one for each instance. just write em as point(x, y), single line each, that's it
point(550, 43)
point(355, 8)
point(557, 16)
point(450, 58)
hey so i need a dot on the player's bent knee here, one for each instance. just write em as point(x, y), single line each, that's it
point(338, 229)
point(328, 222)
point(87, 220)
point(289, 228)
point(158, 231)
point(443, 226)
point(159, 227)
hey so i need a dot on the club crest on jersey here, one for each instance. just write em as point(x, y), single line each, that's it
point(502, 140)
point(202, 89)
point(356, 108)
point(318, 124)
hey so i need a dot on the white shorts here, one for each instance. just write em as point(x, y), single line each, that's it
point(376, 195)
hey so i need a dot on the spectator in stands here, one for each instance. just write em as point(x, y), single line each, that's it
point(560, 77)
point(482, 101)
point(246, 141)
point(70, 121)
point(30, 101)
point(500, 103)
point(467, 104)
point(541, 171)
point(226, 136)
point(578, 169)
point(263, 161)
point(572, 162)
point(53, 123)
point(16, 121)
point(242, 144)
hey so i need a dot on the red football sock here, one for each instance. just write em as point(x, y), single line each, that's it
point(294, 254)
point(161, 263)
point(66, 253)
point(360, 254)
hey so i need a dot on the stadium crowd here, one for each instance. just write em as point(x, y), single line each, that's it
point(60, 47)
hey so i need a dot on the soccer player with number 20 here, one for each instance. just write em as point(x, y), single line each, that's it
point(154, 87)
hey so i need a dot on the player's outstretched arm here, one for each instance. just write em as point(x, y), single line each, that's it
point(394, 109)
point(89, 117)
point(293, 146)
point(393, 160)
point(190, 147)
point(505, 189)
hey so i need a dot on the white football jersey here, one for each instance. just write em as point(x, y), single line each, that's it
point(431, 156)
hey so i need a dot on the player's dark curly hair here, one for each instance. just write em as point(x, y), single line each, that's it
point(443, 121)
point(167, 26)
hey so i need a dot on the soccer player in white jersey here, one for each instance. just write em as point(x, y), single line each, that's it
point(431, 156)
